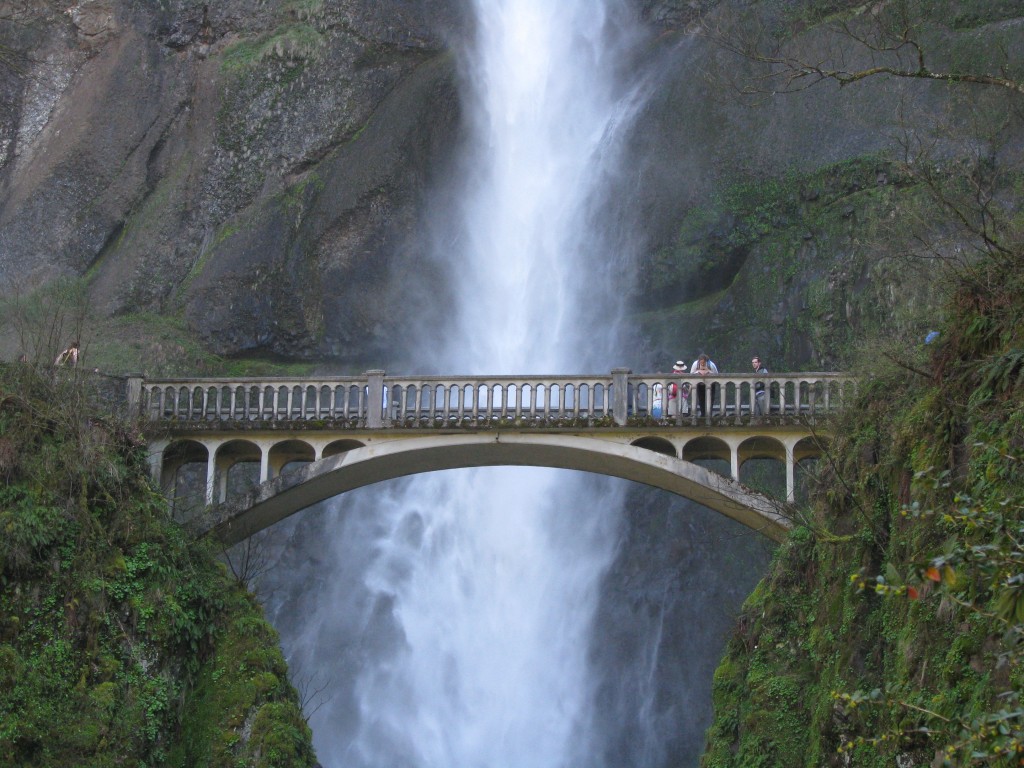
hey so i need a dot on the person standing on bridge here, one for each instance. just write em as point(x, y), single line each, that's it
point(676, 392)
point(703, 366)
point(760, 408)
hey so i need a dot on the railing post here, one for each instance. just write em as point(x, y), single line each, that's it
point(375, 399)
point(620, 399)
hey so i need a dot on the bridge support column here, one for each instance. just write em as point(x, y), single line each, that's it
point(264, 464)
point(620, 394)
point(211, 475)
point(734, 460)
point(134, 395)
point(790, 474)
point(375, 399)
point(156, 465)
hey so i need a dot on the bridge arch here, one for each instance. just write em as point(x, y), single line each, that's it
point(286, 452)
point(178, 454)
point(658, 445)
point(237, 465)
point(184, 468)
point(388, 459)
point(761, 447)
point(341, 446)
point(811, 446)
point(706, 447)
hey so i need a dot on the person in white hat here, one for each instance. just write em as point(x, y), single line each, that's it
point(674, 390)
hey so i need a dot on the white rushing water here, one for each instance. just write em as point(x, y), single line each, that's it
point(466, 638)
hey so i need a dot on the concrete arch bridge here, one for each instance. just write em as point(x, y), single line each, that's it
point(263, 449)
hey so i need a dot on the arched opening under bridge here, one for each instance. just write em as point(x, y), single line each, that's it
point(360, 466)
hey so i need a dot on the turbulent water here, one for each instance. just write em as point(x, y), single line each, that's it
point(449, 617)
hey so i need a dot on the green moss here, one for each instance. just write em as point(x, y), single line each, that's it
point(293, 41)
point(111, 620)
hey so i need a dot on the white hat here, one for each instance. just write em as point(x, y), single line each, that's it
point(679, 366)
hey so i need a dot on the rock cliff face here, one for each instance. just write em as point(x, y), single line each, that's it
point(255, 167)
point(264, 174)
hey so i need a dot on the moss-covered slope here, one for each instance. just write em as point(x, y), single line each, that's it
point(121, 642)
point(888, 630)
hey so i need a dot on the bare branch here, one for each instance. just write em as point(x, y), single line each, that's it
point(886, 47)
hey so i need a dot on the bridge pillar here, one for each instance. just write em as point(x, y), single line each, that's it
point(620, 390)
point(211, 474)
point(734, 461)
point(134, 395)
point(375, 399)
point(264, 463)
point(790, 474)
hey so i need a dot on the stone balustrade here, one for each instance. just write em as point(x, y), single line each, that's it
point(378, 401)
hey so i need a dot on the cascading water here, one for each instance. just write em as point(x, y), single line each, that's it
point(458, 615)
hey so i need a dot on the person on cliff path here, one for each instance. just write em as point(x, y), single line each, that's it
point(703, 366)
point(69, 357)
point(759, 401)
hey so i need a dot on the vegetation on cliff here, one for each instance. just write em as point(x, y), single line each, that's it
point(121, 641)
point(889, 629)
point(890, 625)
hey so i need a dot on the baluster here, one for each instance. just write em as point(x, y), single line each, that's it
point(419, 405)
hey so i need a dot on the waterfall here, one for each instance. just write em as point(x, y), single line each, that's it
point(453, 613)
